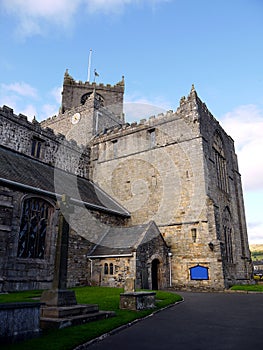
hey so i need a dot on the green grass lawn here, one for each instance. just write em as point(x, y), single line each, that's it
point(68, 338)
point(249, 288)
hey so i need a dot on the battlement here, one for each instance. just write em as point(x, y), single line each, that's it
point(69, 80)
point(188, 106)
point(75, 93)
point(36, 128)
point(127, 128)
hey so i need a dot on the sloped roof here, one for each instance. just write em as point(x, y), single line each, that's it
point(32, 175)
point(119, 241)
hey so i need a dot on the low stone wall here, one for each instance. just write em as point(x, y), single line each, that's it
point(19, 321)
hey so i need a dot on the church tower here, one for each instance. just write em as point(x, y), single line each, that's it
point(87, 109)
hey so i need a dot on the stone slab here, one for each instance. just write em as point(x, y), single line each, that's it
point(58, 323)
point(137, 300)
point(68, 311)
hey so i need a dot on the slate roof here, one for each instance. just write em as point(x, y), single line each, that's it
point(33, 175)
point(119, 241)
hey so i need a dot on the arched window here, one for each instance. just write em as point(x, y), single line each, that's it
point(111, 268)
point(220, 162)
point(228, 232)
point(35, 220)
point(106, 269)
point(98, 97)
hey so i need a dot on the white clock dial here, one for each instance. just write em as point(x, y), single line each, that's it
point(75, 118)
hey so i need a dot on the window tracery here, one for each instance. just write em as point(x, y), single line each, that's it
point(220, 163)
point(36, 215)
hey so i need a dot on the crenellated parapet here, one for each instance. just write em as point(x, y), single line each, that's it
point(31, 139)
point(75, 93)
point(36, 127)
point(188, 111)
point(69, 80)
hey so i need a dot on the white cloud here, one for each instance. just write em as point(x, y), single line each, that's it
point(255, 232)
point(48, 110)
point(245, 125)
point(30, 111)
point(56, 93)
point(21, 89)
point(60, 10)
point(33, 15)
point(23, 98)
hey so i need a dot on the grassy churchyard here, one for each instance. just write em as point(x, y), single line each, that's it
point(71, 337)
point(107, 299)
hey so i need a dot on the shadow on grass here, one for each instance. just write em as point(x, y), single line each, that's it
point(71, 337)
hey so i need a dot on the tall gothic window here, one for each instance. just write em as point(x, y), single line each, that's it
point(220, 163)
point(36, 215)
point(228, 233)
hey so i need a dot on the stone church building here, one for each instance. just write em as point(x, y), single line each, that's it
point(158, 200)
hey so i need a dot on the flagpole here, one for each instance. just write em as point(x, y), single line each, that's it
point(89, 65)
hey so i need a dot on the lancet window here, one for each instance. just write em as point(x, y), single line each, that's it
point(220, 163)
point(228, 233)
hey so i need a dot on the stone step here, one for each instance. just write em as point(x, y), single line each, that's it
point(57, 323)
point(68, 311)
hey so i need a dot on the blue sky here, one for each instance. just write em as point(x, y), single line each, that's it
point(161, 47)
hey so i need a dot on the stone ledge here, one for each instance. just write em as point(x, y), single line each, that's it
point(58, 323)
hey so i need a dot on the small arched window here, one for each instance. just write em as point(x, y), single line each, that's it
point(35, 220)
point(111, 268)
point(106, 269)
point(220, 162)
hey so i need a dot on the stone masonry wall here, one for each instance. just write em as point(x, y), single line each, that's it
point(112, 94)
point(87, 228)
point(17, 133)
point(240, 270)
point(17, 273)
point(91, 120)
point(156, 170)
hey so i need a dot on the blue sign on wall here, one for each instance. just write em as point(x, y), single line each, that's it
point(199, 272)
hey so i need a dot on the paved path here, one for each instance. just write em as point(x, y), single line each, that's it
point(205, 321)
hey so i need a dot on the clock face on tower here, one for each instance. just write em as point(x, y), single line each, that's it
point(75, 118)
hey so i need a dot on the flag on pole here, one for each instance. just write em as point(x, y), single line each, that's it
point(96, 74)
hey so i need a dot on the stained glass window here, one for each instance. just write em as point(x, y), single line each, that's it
point(34, 223)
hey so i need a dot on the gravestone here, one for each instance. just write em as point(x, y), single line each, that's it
point(129, 285)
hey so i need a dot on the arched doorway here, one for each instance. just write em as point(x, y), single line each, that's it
point(155, 273)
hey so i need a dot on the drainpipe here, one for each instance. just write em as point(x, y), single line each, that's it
point(91, 269)
point(170, 268)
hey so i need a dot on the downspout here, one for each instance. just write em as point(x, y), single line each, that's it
point(170, 268)
point(91, 269)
